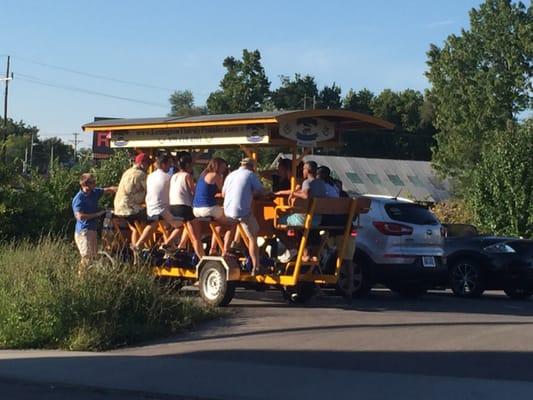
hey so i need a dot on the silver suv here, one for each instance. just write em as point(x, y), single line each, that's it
point(399, 244)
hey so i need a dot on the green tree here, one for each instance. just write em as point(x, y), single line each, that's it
point(244, 87)
point(182, 104)
point(360, 101)
point(295, 94)
point(330, 97)
point(501, 190)
point(386, 106)
point(42, 153)
point(481, 80)
point(411, 103)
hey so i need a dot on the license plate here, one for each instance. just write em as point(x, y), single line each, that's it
point(429, 262)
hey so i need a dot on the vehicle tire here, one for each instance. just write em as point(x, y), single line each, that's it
point(299, 294)
point(466, 278)
point(518, 293)
point(409, 291)
point(362, 284)
point(214, 288)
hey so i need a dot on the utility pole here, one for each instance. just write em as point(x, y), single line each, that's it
point(305, 101)
point(25, 165)
point(51, 157)
point(31, 151)
point(4, 133)
point(76, 142)
point(314, 102)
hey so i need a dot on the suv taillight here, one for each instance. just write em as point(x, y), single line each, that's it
point(392, 229)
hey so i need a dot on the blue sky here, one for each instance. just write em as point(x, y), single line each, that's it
point(171, 45)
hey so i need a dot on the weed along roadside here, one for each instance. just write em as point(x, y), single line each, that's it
point(45, 304)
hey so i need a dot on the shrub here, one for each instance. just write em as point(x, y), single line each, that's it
point(44, 304)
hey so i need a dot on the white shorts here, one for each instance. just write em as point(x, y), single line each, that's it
point(215, 212)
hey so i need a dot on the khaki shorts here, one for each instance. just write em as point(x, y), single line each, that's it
point(249, 225)
point(215, 212)
point(87, 243)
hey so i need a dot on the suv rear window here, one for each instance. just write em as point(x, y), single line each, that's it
point(411, 213)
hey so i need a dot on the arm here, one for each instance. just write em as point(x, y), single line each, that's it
point(81, 216)
point(110, 189)
point(190, 184)
point(303, 193)
point(219, 181)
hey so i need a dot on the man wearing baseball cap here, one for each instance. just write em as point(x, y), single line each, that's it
point(129, 200)
point(238, 191)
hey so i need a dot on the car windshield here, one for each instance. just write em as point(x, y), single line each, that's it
point(411, 213)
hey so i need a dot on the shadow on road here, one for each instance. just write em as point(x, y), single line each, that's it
point(104, 370)
point(483, 364)
point(383, 301)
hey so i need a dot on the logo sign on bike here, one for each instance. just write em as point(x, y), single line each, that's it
point(307, 132)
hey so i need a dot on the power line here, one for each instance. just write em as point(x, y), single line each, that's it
point(38, 81)
point(95, 76)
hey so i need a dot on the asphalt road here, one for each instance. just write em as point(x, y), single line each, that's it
point(434, 347)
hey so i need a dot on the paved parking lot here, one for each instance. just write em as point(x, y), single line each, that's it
point(434, 347)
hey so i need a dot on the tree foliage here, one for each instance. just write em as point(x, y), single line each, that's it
point(330, 97)
point(19, 141)
point(244, 87)
point(182, 104)
point(295, 94)
point(359, 101)
point(481, 80)
point(501, 190)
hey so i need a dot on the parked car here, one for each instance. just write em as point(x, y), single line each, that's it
point(399, 244)
point(480, 262)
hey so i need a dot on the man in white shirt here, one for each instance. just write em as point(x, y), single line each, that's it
point(238, 191)
point(157, 200)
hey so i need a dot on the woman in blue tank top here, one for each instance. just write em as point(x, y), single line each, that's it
point(204, 202)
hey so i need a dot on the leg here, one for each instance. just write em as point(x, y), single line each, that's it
point(172, 237)
point(184, 237)
point(251, 228)
point(148, 229)
point(228, 236)
point(134, 234)
point(193, 228)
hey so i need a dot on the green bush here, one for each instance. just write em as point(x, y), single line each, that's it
point(501, 187)
point(36, 204)
point(44, 304)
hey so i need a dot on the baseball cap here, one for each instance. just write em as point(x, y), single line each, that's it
point(142, 158)
point(247, 161)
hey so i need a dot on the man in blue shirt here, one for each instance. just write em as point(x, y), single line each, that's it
point(238, 191)
point(85, 209)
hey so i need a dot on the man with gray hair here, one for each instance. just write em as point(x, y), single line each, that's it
point(238, 191)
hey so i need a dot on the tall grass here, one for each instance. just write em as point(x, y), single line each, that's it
point(45, 304)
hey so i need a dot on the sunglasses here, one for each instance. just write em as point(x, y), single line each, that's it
point(89, 182)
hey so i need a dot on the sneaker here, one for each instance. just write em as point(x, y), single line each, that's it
point(288, 255)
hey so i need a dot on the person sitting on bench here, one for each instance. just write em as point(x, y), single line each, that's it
point(311, 187)
point(205, 203)
point(182, 189)
point(157, 200)
point(131, 192)
point(239, 190)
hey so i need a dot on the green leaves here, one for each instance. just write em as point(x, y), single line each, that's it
point(501, 189)
point(481, 80)
point(244, 88)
